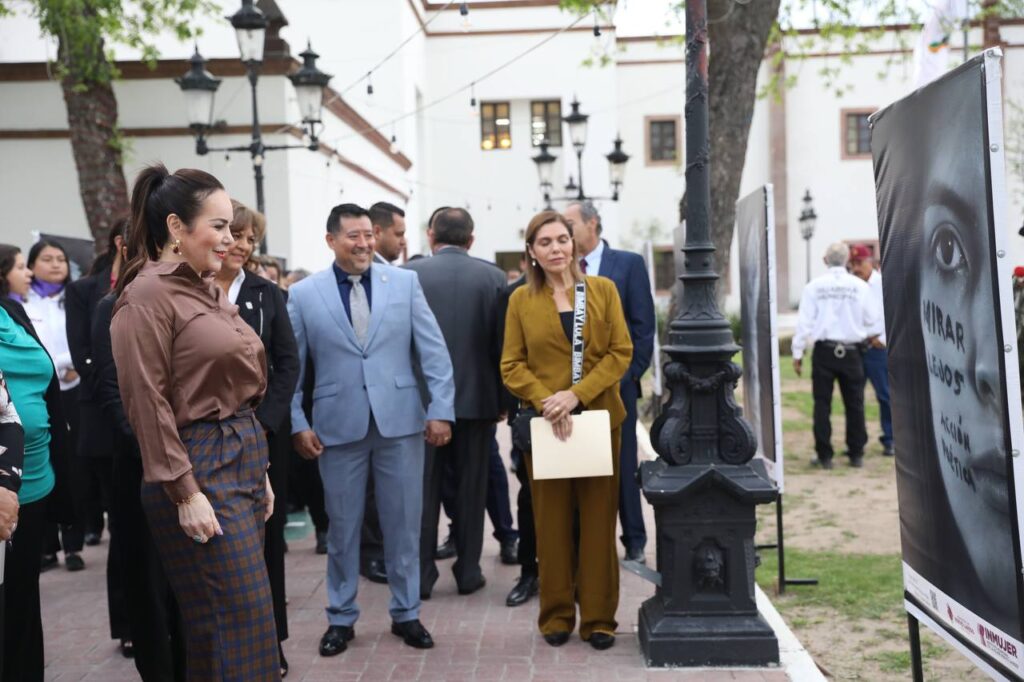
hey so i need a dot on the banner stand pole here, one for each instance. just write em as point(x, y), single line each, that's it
point(916, 663)
point(780, 545)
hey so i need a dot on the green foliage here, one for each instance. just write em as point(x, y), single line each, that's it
point(86, 28)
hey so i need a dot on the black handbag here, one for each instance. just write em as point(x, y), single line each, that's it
point(521, 436)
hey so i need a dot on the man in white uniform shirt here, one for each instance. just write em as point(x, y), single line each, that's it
point(837, 314)
point(862, 264)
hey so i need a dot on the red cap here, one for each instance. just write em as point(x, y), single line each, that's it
point(1018, 271)
point(859, 252)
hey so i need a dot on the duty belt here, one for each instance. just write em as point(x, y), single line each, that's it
point(839, 348)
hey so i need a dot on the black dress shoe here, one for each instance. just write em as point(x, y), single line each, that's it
point(857, 461)
point(47, 562)
point(525, 588)
point(510, 552)
point(557, 638)
point(473, 587)
point(92, 539)
point(73, 562)
point(321, 542)
point(376, 571)
point(336, 639)
point(601, 640)
point(636, 554)
point(822, 463)
point(413, 633)
point(127, 648)
point(888, 451)
point(446, 550)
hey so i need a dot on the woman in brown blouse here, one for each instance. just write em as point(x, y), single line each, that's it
point(191, 371)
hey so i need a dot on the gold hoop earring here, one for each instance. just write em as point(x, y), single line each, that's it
point(176, 247)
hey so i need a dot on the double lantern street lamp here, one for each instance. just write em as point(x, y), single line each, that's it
point(545, 160)
point(200, 86)
point(808, 220)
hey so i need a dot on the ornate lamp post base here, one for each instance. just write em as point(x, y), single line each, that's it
point(704, 612)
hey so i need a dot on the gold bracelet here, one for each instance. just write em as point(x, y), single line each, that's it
point(188, 500)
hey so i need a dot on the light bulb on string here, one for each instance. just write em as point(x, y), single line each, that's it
point(597, 27)
point(369, 82)
point(472, 95)
point(464, 11)
point(394, 144)
point(227, 159)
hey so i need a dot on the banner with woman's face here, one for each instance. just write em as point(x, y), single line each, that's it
point(954, 384)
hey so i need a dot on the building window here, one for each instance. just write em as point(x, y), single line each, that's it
point(546, 123)
point(856, 134)
point(664, 145)
point(495, 126)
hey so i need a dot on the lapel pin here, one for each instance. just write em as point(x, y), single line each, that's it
point(248, 304)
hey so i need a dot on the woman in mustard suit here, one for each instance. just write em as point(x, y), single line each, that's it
point(536, 368)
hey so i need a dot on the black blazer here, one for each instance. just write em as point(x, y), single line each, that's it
point(261, 304)
point(59, 505)
point(80, 300)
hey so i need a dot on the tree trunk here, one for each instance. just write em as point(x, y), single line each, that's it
point(738, 36)
point(92, 123)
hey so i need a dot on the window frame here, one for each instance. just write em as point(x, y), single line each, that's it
point(844, 128)
point(663, 118)
point(547, 121)
point(493, 121)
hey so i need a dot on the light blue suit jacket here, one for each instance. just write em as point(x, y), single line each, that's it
point(353, 382)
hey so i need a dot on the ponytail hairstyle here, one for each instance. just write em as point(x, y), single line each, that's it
point(106, 259)
point(156, 195)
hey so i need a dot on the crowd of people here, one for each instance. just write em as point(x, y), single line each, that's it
point(187, 393)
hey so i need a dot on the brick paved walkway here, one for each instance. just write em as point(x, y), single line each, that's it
point(477, 637)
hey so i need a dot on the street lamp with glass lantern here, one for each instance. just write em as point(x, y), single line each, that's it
point(577, 122)
point(199, 87)
point(808, 220)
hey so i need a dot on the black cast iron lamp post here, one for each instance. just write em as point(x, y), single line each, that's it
point(808, 221)
point(577, 123)
point(199, 87)
point(704, 487)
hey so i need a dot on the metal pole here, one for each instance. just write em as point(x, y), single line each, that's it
point(579, 163)
point(780, 542)
point(807, 242)
point(916, 664)
point(256, 149)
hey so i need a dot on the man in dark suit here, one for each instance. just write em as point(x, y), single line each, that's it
point(465, 295)
point(629, 273)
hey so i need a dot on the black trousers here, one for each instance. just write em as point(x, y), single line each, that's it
point(23, 623)
point(306, 488)
point(849, 372)
point(468, 451)
point(280, 446)
point(527, 554)
point(499, 507)
point(157, 634)
point(71, 537)
point(117, 607)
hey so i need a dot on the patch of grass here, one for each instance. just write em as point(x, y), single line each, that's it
point(854, 585)
point(892, 661)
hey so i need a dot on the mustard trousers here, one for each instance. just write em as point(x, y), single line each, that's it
point(591, 575)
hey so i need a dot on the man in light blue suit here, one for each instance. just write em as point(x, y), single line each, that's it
point(366, 326)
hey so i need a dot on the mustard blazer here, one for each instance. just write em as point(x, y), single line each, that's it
point(537, 357)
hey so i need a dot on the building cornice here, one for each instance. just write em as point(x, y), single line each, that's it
point(266, 129)
point(23, 72)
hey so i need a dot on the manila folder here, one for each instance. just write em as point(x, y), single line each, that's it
point(588, 452)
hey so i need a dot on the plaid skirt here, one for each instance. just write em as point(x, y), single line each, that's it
point(221, 586)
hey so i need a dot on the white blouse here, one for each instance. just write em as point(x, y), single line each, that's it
point(49, 319)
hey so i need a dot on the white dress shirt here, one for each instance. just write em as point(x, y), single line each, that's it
point(875, 284)
point(594, 258)
point(836, 306)
point(236, 286)
point(50, 321)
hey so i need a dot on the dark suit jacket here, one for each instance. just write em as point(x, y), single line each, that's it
point(108, 393)
point(81, 298)
point(629, 273)
point(261, 304)
point(465, 295)
point(59, 505)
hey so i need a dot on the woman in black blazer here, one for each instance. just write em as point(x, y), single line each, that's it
point(262, 305)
